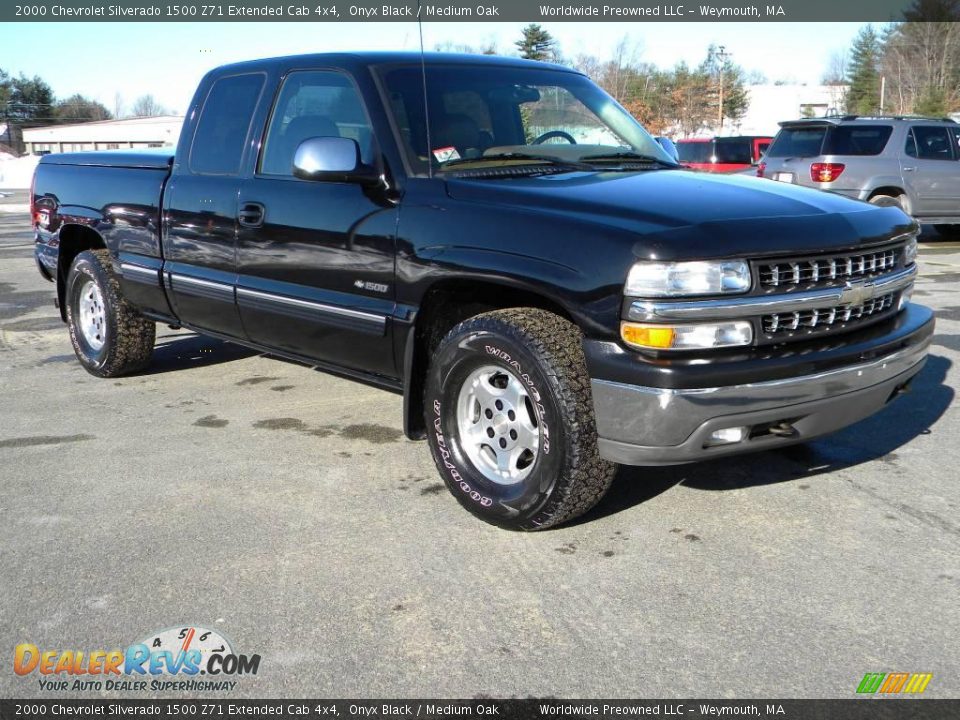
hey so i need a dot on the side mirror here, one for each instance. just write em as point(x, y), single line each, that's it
point(333, 159)
point(670, 147)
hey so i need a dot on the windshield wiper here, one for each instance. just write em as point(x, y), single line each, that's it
point(628, 157)
point(532, 159)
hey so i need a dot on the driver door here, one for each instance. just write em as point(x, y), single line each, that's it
point(315, 260)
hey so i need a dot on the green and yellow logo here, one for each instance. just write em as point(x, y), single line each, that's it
point(893, 683)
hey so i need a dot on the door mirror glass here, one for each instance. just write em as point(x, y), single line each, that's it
point(334, 159)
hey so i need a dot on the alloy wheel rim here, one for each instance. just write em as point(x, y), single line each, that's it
point(498, 426)
point(93, 317)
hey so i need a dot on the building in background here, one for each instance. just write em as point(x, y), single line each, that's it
point(144, 132)
point(772, 104)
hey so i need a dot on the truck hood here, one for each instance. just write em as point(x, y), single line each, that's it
point(678, 214)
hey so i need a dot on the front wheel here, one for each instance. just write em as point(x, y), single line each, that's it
point(109, 336)
point(510, 418)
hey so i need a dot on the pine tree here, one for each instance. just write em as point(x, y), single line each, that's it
point(30, 100)
point(863, 74)
point(536, 43)
point(78, 108)
point(736, 100)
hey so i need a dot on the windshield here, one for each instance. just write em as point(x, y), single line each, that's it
point(481, 111)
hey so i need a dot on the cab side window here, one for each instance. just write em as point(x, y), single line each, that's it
point(217, 147)
point(313, 104)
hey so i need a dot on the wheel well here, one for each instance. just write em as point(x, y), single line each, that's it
point(888, 190)
point(445, 305)
point(74, 239)
point(893, 191)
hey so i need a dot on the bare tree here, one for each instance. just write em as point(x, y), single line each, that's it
point(118, 105)
point(147, 106)
point(620, 69)
point(836, 71)
point(589, 65)
point(921, 64)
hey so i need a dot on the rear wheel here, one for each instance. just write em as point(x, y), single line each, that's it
point(109, 336)
point(510, 414)
point(889, 201)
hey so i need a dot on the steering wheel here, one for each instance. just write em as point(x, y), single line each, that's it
point(555, 134)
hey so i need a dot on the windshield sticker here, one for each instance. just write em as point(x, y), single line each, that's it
point(446, 153)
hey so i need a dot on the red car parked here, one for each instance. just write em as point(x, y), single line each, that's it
point(723, 154)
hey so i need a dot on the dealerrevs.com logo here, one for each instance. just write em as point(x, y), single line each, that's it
point(894, 683)
point(188, 658)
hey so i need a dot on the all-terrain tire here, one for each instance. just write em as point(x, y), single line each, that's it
point(118, 340)
point(541, 354)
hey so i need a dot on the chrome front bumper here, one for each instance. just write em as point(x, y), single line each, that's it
point(657, 426)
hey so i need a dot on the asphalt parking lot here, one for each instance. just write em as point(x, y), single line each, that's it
point(283, 507)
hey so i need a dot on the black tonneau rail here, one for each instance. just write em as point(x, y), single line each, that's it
point(159, 160)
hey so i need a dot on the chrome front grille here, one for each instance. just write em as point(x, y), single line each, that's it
point(825, 318)
point(825, 271)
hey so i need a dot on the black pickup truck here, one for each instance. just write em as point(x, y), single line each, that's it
point(505, 245)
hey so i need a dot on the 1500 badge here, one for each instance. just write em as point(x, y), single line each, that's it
point(371, 286)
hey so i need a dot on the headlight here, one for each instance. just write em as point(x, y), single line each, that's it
point(910, 251)
point(702, 336)
point(657, 279)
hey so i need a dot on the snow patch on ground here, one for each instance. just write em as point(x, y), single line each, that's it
point(16, 173)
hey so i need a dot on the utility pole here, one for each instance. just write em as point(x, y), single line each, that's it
point(722, 54)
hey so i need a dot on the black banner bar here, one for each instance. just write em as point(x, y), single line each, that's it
point(873, 708)
point(453, 11)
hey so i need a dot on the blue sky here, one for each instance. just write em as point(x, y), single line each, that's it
point(167, 59)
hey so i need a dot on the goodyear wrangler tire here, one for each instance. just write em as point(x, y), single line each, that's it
point(510, 420)
point(109, 336)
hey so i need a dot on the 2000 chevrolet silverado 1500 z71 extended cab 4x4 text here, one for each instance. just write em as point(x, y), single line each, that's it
point(501, 242)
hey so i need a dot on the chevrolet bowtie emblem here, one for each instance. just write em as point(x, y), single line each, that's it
point(856, 293)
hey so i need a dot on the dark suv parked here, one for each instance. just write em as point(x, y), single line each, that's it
point(911, 162)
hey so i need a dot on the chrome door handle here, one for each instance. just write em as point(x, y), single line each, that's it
point(909, 169)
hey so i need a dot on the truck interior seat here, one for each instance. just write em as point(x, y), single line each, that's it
point(461, 132)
